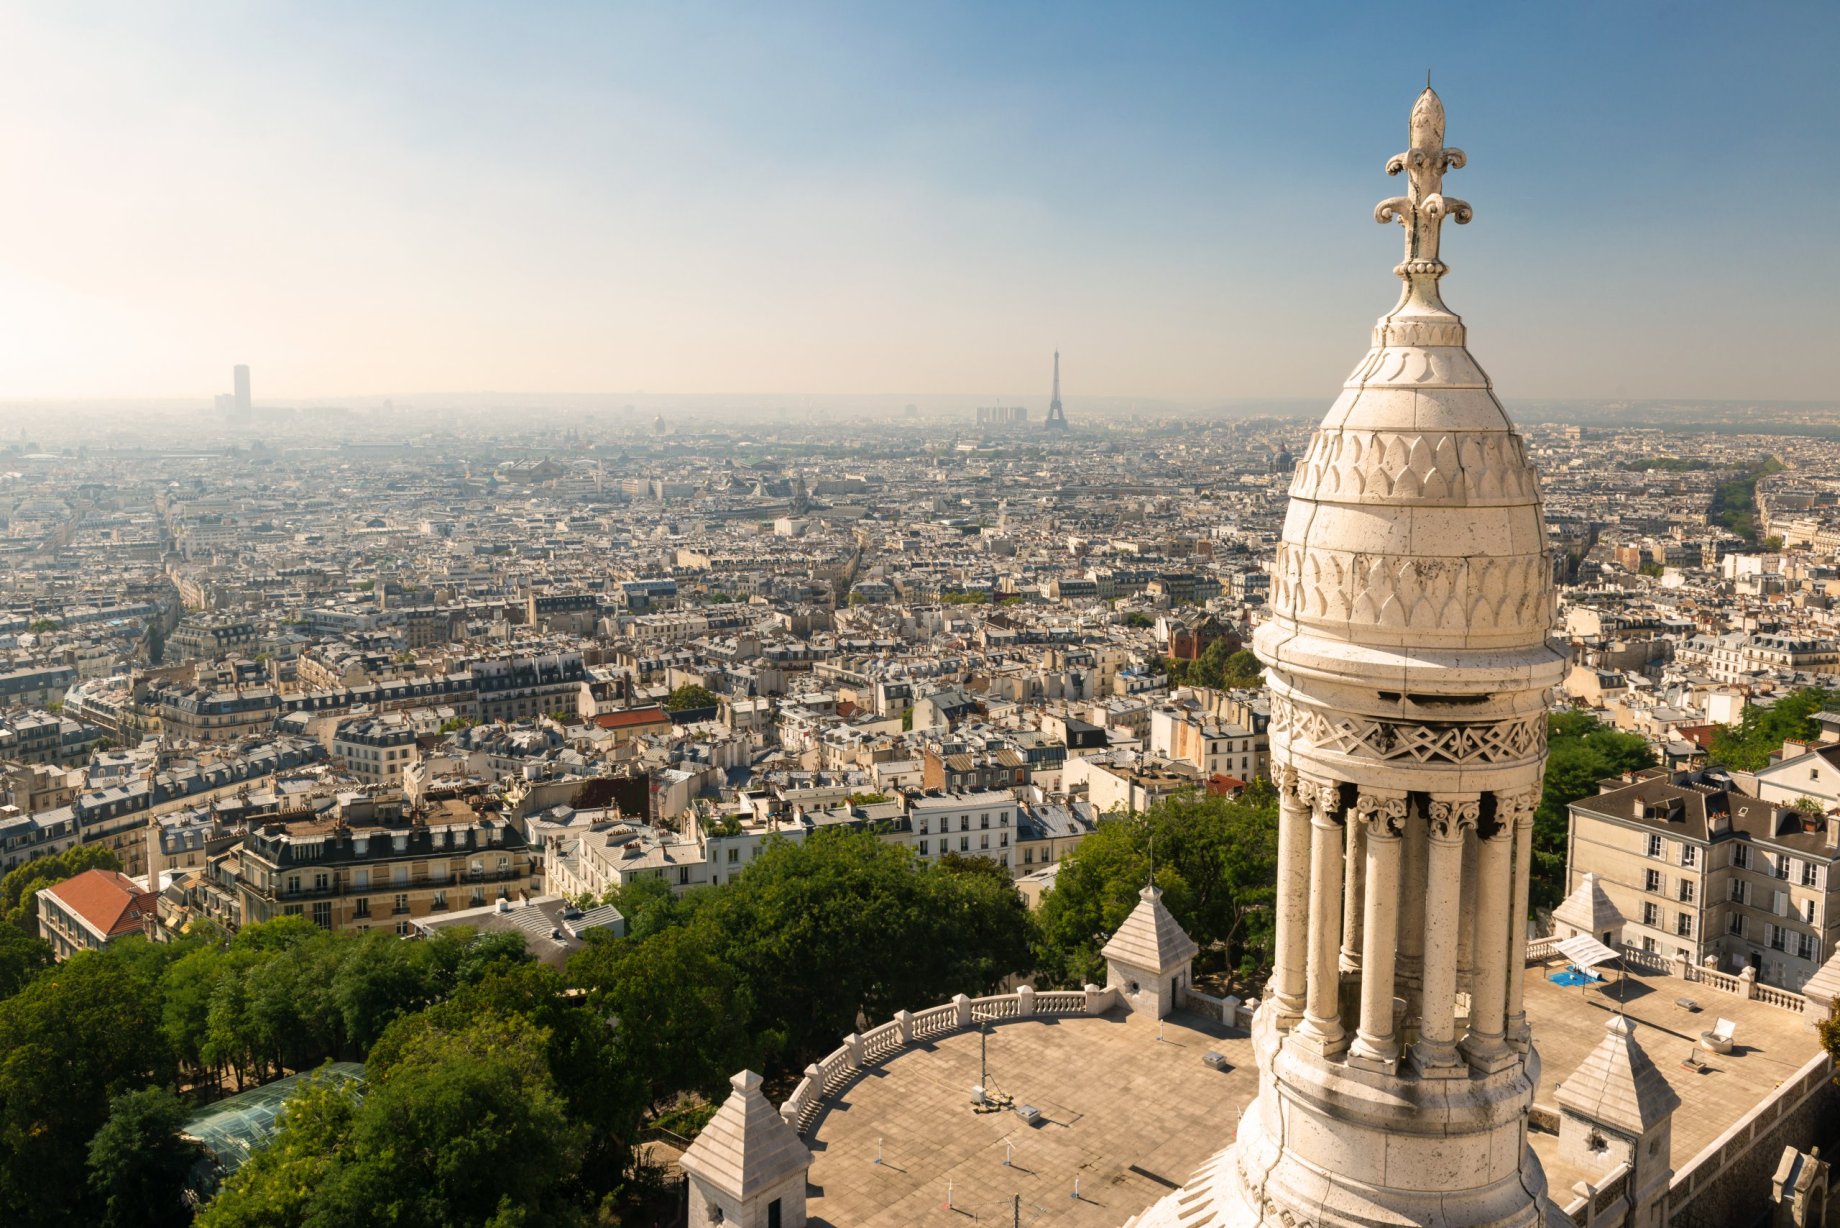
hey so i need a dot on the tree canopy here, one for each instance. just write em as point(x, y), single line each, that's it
point(1216, 860)
point(1762, 730)
point(1580, 752)
point(689, 698)
point(1221, 665)
point(19, 889)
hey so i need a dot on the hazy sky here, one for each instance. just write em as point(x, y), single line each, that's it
point(389, 197)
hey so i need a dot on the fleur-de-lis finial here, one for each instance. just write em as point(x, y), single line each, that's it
point(1424, 207)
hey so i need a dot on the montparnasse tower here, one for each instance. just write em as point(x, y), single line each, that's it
point(1409, 664)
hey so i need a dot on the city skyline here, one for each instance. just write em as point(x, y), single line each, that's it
point(826, 202)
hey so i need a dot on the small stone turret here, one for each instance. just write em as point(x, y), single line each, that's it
point(747, 1167)
point(1618, 1108)
point(1149, 960)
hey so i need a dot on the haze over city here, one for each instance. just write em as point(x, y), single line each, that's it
point(812, 199)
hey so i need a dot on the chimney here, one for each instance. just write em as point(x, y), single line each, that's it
point(1638, 808)
point(1833, 829)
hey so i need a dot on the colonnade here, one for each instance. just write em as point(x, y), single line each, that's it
point(1413, 896)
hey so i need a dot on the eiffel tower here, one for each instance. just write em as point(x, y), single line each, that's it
point(1057, 417)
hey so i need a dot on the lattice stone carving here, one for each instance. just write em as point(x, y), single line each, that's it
point(1466, 467)
point(1510, 741)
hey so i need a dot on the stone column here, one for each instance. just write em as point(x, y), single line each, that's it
point(1408, 975)
point(1485, 1044)
point(1353, 895)
point(1435, 1055)
point(1322, 1019)
point(1519, 815)
point(1466, 914)
point(1381, 816)
point(1290, 958)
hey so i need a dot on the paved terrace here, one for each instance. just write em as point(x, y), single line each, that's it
point(1130, 1115)
point(1771, 1044)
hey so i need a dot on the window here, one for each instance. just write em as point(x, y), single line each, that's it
point(1775, 937)
point(440, 899)
point(984, 819)
point(1782, 865)
point(1736, 924)
point(1028, 855)
point(1779, 903)
point(1651, 914)
point(1657, 847)
point(1809, 948)
point(401, 905)
point(1651, 881)
point(1686, 891)
point(964, 844)
point(404, 928)
point(1689, 855)
point(1741, 856)
point(683, 874)
point(1683, 924)
point(734, 855)
point(1808, 911)
point(984, 842)
point(362, 908)
point(1811, 874)
point(1003, 840)
point(1738, 891)
point(923, 845)
point(322, 914)
point(964, 822)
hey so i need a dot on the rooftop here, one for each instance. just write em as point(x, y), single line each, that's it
point(1133, 1117)
point(1129, 1136)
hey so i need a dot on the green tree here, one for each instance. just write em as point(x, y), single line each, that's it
point(279, 1184)
point(842, 923)
point(1763, 729)
point(690, 697)
point(1580, 752)
point(456, 1128)
point(1216, 862)
point(18, 890)
point(73, 1039)
point(21, 958)
point(681, 1013)
point(138, 1162)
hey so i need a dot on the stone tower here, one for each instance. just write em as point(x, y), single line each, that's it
point(1409, 664)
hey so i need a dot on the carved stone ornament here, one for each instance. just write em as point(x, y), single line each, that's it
point(1516, 809)
point(1463, 468)
point(1384, 815)
point(1514, 740)
point(1452, 596)
point(1327, 801)
point(1450, 817)
point(1424, 207)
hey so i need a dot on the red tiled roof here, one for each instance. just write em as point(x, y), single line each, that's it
point(106, 899)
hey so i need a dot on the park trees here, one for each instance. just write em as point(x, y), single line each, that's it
point(1580, 752)
point(1215, 859)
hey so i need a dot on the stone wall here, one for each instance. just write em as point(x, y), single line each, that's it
point(1728, 1184)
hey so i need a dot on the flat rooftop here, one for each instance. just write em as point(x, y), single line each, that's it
point(1769, 1046)
point(1128, 1114)
point(1133, 1116)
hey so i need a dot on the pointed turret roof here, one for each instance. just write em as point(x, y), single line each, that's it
point(747, 1146)
point(1589, 909)
point(1150, 937)
point(1824, 985)
point(1617, 1085)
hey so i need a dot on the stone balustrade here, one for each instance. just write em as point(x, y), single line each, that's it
point(829, 1074)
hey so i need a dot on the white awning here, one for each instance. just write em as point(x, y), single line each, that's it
point(1585, 951)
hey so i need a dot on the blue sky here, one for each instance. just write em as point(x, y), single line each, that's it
point(833, 198)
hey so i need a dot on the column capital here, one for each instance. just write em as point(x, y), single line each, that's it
point(1450, 816)
point(1382, 813)
point(1516, 809)
point(1324, 798)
